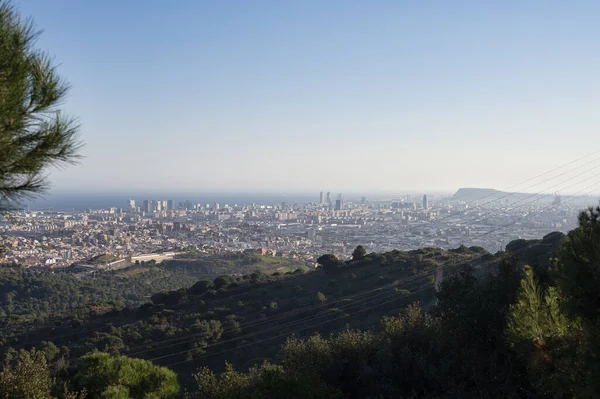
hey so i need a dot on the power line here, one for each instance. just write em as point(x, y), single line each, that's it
point(261, 322)
point(106, 327)
point(540, 175)
point(278, 316)
point(288, 333)
point(506, 195)
point(476, 220)
point(295, 312)
point(573, 197)
point(280, 335)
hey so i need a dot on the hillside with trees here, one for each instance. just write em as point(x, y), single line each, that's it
point(244, 319)
point(368, 327)
point(522, 332)
point(30, 299)
point(205, 266)
point(36, 297)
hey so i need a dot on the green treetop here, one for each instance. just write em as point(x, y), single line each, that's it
point(34, 134)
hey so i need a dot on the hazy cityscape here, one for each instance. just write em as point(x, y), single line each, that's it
point(299, 199)
point(303, 231)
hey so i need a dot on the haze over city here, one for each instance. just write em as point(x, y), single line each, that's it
point(335, 199)
point(305, 96)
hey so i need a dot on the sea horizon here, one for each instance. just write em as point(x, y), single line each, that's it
point(69, 201)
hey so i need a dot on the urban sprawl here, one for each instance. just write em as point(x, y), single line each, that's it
point(160, 229)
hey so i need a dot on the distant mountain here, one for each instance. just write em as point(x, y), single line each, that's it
point(474, 194)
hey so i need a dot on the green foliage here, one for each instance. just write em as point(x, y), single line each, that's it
point(27, 378)
point(320, 297)
point(536, 316)
point(49, 349)
point(169, 298)
point(307, 357)
point(411, 356)
point(257, 276)
point(359, 253)
point(460, 250)
point(417, 355)
point(216, 329)
point(556, 238)
point(114, 377)
point(34, 134)
point(478, 249)
point(274, 382)
point(223, 281)
point(516, 245)
point(190, 322)
point(578, 276)
point(200, 287)
point(555, 323)
point(536, 253)
point(579, 273)
point(31, 295)
point(330, 263)
point(539, 332)
point(264, 382)
point(116, 392)
point(202, 266)
point(438, 350)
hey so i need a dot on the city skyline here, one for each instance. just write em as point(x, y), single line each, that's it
point(137, 230)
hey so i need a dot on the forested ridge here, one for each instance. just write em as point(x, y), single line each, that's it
point(208, 312)
point(518, 324)
point(37, 296)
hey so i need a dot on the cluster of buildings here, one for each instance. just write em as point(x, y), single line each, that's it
point(326, 200)
point(302, 230)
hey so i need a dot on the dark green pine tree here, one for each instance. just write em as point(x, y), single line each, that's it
point(359, 253)
point(34, 134)
point(579, 272)
point(578, 275)
point(555, 327)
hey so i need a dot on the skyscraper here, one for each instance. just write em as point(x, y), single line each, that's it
point(131, 205)
point(147, 206)
point(322, 198)
point(339, 203)
point(425, 202)
point(328, 197)
point(170, 205)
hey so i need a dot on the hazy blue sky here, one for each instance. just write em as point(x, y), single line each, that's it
point(333, 95)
